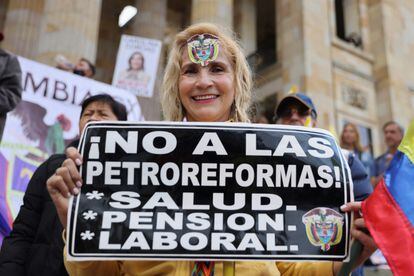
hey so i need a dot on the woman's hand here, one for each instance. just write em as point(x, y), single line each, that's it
point(358, 232)
point(65, 182)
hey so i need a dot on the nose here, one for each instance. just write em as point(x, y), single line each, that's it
point(203, 79)
point(294, 114)
point(94, 117)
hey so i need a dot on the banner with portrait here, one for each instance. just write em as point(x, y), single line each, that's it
point(137, 64)
point(210, 191)
point(43, 123)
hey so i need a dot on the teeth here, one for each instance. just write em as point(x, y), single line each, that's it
point(204, 97)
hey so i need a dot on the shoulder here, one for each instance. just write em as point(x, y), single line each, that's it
point(44, 171)
point(52, 163)
point(9, 62)
point(381, 157)
point(56, 160)
point(349, 157)
point(346, 153)
point(5, 55)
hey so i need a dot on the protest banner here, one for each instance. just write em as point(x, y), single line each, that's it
point(209, 191)
point(42, 124)
point(136, 65)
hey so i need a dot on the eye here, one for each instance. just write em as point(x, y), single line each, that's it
point(217, 69)
point(190, 70)
point(104, 114)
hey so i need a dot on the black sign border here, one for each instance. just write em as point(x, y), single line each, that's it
point(71, 220)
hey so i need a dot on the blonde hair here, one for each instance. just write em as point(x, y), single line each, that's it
point(170, 100)
point(357, 144)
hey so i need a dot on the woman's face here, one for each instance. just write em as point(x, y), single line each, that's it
point(207, 93)
point(137, 62)
point(349, 135)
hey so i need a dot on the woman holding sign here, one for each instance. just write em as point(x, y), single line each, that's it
point(207, 79)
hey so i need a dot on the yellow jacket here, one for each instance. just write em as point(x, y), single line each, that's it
point(184, 268)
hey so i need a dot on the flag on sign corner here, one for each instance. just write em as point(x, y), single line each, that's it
point(389, 211)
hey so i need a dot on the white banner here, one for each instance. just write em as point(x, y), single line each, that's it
point(43, 123)
point(136, 65)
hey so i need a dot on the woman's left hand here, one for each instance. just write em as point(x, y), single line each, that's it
point(360, 232)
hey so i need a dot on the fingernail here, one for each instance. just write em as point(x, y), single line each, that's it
point(75, 191)
point(343, 207)
point(78, 161)
point(68, 195)
point(78, 184)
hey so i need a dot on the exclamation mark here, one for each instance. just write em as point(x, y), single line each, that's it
point(94, 150)
point(337, 177)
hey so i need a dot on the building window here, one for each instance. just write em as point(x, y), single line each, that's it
point(347, 21)
point(265, 54)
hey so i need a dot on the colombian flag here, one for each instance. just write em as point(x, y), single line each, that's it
point(389, 211)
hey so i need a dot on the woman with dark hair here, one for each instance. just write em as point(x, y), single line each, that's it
point(34, 246)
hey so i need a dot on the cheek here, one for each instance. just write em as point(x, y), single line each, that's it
point(229, 86)
point(184, 87)
point(81, 125)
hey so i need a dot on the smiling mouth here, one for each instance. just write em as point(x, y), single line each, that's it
point(204, 97)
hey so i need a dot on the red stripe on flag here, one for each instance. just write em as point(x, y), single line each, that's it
point(391, 230)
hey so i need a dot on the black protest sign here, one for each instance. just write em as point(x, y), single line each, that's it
point(210, 191)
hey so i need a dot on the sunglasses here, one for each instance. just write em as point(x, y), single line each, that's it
point(302, 111)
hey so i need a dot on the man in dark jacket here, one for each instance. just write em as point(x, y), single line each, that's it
point(10, 84)
point(298, 109)
point(35, 245)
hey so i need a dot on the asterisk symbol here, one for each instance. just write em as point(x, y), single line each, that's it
point(94, 195)
point(87, 235)
point(89, 215)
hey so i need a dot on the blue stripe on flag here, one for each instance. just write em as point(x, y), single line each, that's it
point(399, 179)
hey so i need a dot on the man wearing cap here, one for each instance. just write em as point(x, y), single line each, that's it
point(10, 84)
point(298, 109)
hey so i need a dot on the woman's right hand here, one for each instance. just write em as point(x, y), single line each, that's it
point(65, 182)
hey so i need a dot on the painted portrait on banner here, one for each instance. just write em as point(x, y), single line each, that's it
point(136, 65)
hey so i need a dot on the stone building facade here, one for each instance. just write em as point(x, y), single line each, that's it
point(353, 57)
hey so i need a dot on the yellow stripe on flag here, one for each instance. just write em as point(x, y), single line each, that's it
point(407, 144)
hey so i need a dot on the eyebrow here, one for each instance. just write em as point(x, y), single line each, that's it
point(211, 63)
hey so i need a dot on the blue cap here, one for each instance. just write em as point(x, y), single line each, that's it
point(297, 97)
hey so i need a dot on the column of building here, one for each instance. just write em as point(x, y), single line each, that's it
point(217, 11)
point(245, 24)
point(151, 22)
point(304, 53)
point(22, 27)
point(41, 29)
point(393, 49)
